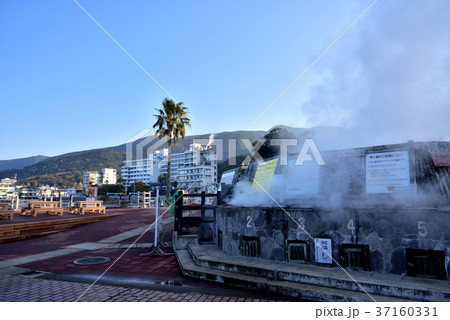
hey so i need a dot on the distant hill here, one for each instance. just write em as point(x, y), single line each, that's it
point(67, 169)
point(20, 163)
point(226, 137)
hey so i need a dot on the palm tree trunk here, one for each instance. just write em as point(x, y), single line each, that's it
point(169, 154)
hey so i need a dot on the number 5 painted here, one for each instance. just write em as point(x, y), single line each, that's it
point(422, 230)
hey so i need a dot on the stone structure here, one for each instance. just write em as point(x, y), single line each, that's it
point(385, 232)
point(373, 222)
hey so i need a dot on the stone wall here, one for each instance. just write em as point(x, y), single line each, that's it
point(387, 232)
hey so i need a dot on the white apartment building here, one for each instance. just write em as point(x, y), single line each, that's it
point(195, 168)
point(91, 178)
point(8, 188)
point(109, 176)
point(192, 168)
point(145, 170)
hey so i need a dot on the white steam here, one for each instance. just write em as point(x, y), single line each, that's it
point(211, 139)
point(244, 195)
point(393, 83)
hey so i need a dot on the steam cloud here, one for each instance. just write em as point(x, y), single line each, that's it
point(393, 83)
point(388, 85)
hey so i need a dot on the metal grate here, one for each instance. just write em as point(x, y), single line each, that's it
point(425, 263)
point(424, 266)
point(249, 246)
point(356, 257)
point(353, 257)
point(297, 251)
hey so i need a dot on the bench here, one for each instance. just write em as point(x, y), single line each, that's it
point(6, 214)
point(100, 210)
point(50, 211)
point(81, 207)
point(49, 207)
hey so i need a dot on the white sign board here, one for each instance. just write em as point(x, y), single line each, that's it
point(323, 251)
point(387, 172)
point(227, 177)
point(302, 180)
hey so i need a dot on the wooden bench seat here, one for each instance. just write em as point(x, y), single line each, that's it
point(81, 207)
point(6, 214)
point(83, 210)
point(49, 207)
point(51, 211)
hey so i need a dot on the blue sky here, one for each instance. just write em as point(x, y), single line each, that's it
point(66, 86)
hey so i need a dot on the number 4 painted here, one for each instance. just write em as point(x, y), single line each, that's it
point(351, 226)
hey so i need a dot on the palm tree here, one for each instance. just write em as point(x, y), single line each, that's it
point(171, 122)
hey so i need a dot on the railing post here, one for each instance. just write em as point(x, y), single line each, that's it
point(179, 212)
point(203, 226)
point(17, 203)
point(219, 198)
point(203, 202)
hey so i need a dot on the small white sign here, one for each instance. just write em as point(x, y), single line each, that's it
point(227, 177)
point(323, 250)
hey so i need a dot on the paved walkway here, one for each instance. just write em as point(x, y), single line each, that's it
point(54, 255)
point(21, 288)
point(128, 219)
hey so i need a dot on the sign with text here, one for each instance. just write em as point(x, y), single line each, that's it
point(323, 250)
point(227, 177)
point(388, 172)
point(264, 175)
point(440, 159)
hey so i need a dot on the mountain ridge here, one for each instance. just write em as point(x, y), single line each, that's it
point(20, 163)
point(67, 169)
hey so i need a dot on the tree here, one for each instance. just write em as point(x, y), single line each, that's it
point(171, 122)
point(162, 178)
point(267, 150)
point(110, 188)
point(140, 186)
